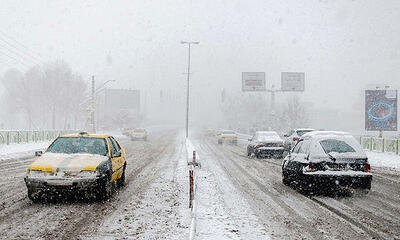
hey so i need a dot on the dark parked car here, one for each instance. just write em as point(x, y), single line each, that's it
point(323, 160)
point(265, 144)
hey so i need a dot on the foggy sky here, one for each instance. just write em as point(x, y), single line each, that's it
point(342, 46)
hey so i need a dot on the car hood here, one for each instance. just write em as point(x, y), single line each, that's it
point(54, 162)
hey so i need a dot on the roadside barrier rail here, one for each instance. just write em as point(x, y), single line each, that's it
point(17, 137)
point(377, 144)
point(193, 162)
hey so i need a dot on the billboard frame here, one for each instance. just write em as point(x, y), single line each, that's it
point(299, 77)
point(257, 77)
point(381, 110)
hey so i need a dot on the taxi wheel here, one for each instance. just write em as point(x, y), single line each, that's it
point(105, 190)
point(121, 180)
point(32, 197)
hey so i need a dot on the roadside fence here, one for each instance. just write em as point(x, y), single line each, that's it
point(377, 144)
point(17, 137)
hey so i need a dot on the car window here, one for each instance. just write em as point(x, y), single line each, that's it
point(297, 147)
point(228, 132)
point(302, 132)
point(335, 145)
point(305, 146)
point(116, 144)
point(112, 147)
point(72, 145)
point(290, 133)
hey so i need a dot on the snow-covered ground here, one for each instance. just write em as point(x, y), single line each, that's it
point(21, 150)
point(386, 160)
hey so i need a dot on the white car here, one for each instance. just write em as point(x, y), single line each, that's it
point(294, 135)
point(265, 144)
point(227, 136)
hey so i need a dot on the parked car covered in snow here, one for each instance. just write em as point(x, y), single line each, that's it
point(77, 163)
point(227, 136)
point(327, 159)
point(265, 144)
point(294, 135)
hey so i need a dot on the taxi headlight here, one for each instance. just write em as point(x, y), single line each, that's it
point(88, 174)
point(37, 174)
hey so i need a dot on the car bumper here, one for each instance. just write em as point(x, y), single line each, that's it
point(344, 179)
point(270, 150)
point(63, 184)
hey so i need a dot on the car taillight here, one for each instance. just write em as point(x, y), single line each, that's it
point(310, 167)
point(367, 168)
point(260, 145)
point(295, 139)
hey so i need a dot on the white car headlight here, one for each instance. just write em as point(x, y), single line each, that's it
point(88, 174)
point(38, 174)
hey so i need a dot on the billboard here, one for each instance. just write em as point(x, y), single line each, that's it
point(253, 81)
point(381, 110)
point(292, 81)
point(122, 99)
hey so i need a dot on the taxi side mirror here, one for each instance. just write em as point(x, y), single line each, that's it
point(38, 153)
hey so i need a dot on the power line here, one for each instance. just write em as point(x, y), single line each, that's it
point(36, 58)
point(15, 59)
point(19, 54)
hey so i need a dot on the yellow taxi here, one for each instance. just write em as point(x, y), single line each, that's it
point(139, 134)
point(77, 163)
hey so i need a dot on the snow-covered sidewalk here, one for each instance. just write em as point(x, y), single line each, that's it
point(22, 150)
point(386, 160)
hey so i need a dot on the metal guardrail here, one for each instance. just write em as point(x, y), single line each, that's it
point(17, 137)
point(390, 145)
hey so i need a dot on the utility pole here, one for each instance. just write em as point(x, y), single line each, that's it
point(187, 87)
point(93, 105)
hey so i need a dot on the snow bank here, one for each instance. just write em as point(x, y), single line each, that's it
point(388, 160)
point(21, 150)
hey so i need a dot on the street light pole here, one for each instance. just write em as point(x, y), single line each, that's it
point(93, 102)
point(187, 86)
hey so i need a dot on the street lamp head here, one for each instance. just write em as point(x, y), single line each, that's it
point(184, 42)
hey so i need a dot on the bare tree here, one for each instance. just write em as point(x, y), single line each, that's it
point(294, 113)
point(48, 97)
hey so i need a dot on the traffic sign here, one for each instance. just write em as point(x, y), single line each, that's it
point(253, 81)
point(292, 81)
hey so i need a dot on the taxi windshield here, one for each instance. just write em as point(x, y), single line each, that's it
point(71, 145)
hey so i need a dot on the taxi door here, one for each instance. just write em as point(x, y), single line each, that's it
point(116, 159)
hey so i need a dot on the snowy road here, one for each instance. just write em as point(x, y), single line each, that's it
point(149, 206)
point(238, 198)
point(286, 214)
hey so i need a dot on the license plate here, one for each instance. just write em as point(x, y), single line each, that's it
point(338, 167)
point(60, 183)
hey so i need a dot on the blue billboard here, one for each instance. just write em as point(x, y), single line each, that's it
point(381, 110)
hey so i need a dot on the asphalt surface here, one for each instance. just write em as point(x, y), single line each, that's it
point(125, 215)
point(150, 206)
point(288, 214)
